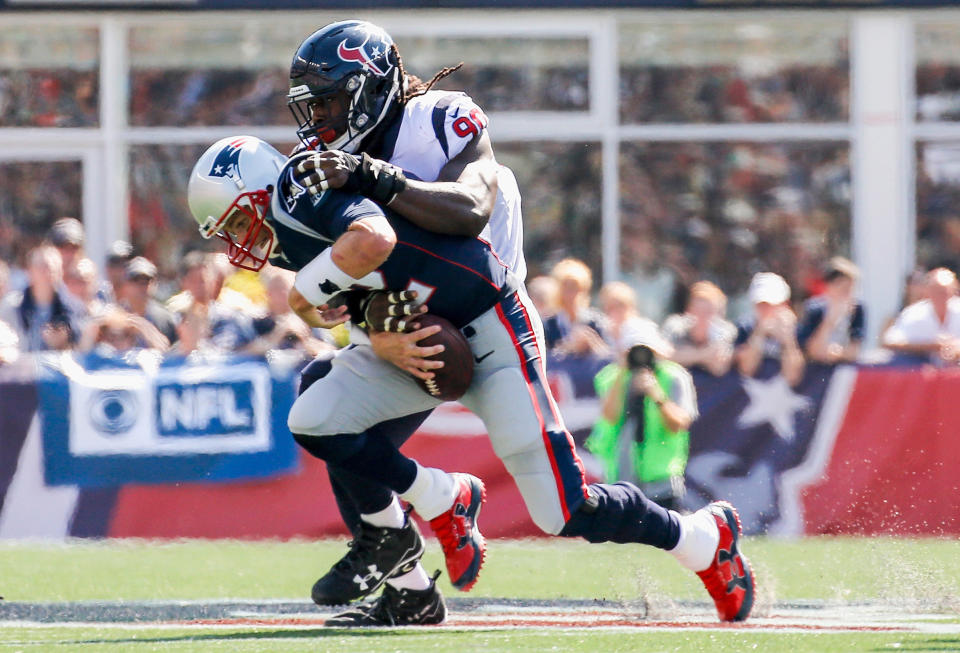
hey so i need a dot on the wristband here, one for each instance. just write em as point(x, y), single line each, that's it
point(376, 179)
point(321, 279)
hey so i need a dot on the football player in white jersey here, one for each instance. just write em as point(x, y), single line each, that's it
point(385, 134)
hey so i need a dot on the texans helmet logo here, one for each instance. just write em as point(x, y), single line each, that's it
point(360, 56)
point(225, 165)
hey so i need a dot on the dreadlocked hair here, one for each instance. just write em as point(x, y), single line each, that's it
point(413, 86)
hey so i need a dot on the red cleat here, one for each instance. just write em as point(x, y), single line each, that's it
point(463, 545)
point(729, 579)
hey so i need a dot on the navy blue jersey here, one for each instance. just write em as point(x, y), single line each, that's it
point(458, 278)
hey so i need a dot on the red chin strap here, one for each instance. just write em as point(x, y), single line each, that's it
point(243, 252)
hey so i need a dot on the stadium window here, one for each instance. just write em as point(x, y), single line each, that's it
point(755, 70)
point(507, 74)
point(205, 76)
point(938, 195)
point(49, 76)
point(938, 71)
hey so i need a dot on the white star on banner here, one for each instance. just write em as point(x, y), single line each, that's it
point(774, 402)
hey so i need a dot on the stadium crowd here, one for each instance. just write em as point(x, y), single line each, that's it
point(59, 299)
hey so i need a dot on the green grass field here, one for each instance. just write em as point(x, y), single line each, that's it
point(921, 573)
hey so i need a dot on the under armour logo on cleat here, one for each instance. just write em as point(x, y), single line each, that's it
point(730, 557)
point(374, 575)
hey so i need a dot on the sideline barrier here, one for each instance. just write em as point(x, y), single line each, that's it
point(852, 450)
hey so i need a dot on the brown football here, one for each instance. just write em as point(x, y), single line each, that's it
point(452, 380)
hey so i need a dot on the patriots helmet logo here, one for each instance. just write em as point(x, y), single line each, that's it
point(359, 55)
point(227, 160)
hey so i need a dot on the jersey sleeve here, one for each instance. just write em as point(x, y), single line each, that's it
point(457, 120)
point(339, 210)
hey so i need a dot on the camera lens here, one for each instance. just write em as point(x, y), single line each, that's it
point(639, 357)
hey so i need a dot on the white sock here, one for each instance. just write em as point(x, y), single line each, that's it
point(699, 537)
point(433, 492)
point(390, 517)
point(413, 580)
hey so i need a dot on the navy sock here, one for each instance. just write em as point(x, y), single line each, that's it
point(356, 495)
point(621, 513)
point(370, 456)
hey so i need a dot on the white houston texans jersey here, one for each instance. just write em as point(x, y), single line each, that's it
point(435, 128)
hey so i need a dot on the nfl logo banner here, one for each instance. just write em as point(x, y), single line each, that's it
point(110, 424)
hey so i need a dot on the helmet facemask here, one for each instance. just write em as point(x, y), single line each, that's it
point(243, 227)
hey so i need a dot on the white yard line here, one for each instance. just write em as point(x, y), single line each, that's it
point(477, 614)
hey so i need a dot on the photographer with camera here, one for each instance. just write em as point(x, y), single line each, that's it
point(648, 405)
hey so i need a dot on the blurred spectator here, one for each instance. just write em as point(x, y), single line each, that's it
point(66, 235)
point(80, 280)
point(137, 297)
point(230, 329)
point(118, 255)
point(770, 333)
point(9, 341)
point(117, 331)
point(543, 293)
point(701, 336)
point(834, 323)
point(40, 314)
point(226, 278)
point(576, 328)
point(618, 303)
point(4, 278)
point(193, 333)
point(281, 328)
point(649, 269)
point(929, 330)
point(914, 289)
point(648, 406)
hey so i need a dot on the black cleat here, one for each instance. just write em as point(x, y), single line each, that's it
point(396, 607)
point(375, 555)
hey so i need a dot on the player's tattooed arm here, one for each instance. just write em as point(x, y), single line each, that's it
point(461, 201)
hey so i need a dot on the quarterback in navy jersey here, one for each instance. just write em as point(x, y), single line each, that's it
point(231, 192)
